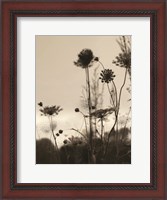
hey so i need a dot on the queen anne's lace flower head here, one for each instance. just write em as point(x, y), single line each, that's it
point(85, 58)
point(107, 75)
point(50, 110)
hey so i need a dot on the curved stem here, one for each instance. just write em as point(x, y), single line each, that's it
point(119, 99)
point(127, 118)
point(102, 64)
point(116, 113)
point(73, 129)
point(57, 149)
point(111, 95)
point(115, 92)
point(108, 138)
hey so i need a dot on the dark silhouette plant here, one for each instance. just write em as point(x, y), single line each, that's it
point(94, 144)
point(85, 60)
point(107, 76)
point(50, 112)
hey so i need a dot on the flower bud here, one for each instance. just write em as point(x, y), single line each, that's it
point(60, 131)
point(76, 109)
point(40, 104)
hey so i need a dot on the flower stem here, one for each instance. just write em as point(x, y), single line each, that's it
point(85, 122)
point(111, 95)
point(119, 99)
point(116, 116)
point(56, 146)
point(90, 109)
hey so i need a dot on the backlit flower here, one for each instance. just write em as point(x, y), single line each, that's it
point(123, 60)
point(107, 75)
point(51, 110)
point(85, 57)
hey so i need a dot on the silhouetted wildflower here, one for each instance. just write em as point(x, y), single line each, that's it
point(106, 75)
point(51, 110)
point(123, 60)
point(101, 113)
point(85, 57)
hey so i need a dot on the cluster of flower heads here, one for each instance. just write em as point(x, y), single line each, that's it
point(123, 60)
point(85, 58)
point(107, 75)
point(49, 110)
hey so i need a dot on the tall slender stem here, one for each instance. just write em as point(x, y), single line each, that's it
point(127, 118)
point(115, 92)
point(119, 98)
point(116, 115)
point(90, 109)
point(111, 95)
point(85, 122)
point(57, 149)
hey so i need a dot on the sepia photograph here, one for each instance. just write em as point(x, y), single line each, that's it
point(83, 99)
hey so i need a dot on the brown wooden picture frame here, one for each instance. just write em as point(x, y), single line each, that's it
point(13, 190)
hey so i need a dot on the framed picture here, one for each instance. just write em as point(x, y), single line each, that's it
point(83, 100)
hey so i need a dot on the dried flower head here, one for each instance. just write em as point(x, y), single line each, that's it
point(85, 57)
point(123, 60)
point(101, 113)
point(51, 110)
point(107, 75)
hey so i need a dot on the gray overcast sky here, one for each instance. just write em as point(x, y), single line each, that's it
point(59, 81)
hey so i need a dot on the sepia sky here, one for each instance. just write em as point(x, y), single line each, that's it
point(59, 81)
